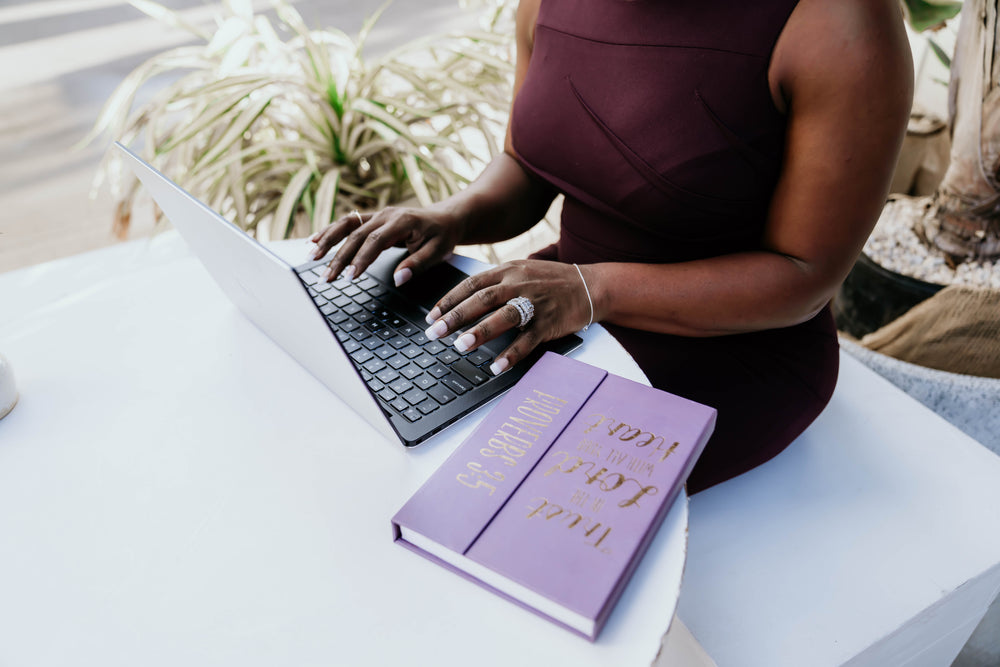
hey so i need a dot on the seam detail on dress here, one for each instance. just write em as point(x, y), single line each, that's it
point(652, 176)
point(652, 46)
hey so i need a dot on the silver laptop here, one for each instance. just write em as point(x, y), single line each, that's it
point(363, 339)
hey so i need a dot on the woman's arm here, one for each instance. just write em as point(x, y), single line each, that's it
point(843, 73)
point(501, 203)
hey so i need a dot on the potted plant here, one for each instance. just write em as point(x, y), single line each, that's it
point(957, 228)
point(282, 128)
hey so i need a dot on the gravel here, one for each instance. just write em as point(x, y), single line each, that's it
point(895, 246)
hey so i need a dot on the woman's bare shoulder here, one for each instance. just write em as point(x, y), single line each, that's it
point(847, 47)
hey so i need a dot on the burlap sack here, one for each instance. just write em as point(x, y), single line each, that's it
point(956, 330)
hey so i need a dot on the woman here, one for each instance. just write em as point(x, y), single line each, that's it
point(723, 163)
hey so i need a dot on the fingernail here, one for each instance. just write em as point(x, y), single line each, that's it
point(434, 315)
point(349, 273)
point(465, 342)
point(327, 275)
point(311, 249)
point(401, 276)
point(499, 366)
point(436, 330)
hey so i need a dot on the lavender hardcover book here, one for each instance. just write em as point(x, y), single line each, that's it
point(554, 498)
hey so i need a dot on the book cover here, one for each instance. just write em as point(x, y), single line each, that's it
point(558, 519)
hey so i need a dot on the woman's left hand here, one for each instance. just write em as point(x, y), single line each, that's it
point(560, 299)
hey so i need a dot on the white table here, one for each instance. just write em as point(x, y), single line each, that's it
point(175, 490)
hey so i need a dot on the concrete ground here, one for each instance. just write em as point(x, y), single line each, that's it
point(60, 61)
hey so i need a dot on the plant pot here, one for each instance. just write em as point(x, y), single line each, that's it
point(872, 296)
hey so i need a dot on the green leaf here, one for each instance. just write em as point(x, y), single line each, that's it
point(939, 52)
point(924, 14)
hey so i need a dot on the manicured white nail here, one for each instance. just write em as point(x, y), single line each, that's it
point(327, 275)
point(434, 315)
point(465, 342)
point(401, 276)
point(348, 273)
point(436, 330)
point(499, 366)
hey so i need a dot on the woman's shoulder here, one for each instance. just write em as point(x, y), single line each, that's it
point(844, 47)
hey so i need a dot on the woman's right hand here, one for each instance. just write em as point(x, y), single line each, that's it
point(429, 234)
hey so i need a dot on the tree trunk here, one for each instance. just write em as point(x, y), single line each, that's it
point(964, 217)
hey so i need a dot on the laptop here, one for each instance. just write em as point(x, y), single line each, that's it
point(364, 339)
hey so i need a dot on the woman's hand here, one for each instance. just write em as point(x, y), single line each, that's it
point(560, 298)
point(428, 234)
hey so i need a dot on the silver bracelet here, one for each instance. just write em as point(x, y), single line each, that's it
point(589, 300)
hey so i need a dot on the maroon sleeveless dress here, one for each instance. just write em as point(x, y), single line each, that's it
point(655, 120)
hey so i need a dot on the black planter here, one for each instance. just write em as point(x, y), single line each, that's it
point(872, 296)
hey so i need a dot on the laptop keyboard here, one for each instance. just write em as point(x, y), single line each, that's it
point(383, 334)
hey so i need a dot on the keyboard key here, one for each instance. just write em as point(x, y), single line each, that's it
point(411, 351)
point(375, 385)
point(328, 309)
point(400, 405)
point(469, 372)
point(440, 394)
point(408, 330)
point(372, 343)
point(322, 287)
point(387, 395)
point(398, 342)
point(410, 372)
point(400, 385)
point(415, 396)
point(387, 375)
point(366, 376)
point(425, 361)
point(438, 371)
point(361, 334)
point(385, 351)
point(412, 414)
point(351, 290)
point(363, 316)
point(349, 325)
point(341, 301)
point(427, 406)
point(343, 337)
point(350, 344)
point(398, 361)
point(363, 298)
point(337, 317)
point(362, 355)
point(352, 308)
point(386, 334)
point(310, 277)
point(449, 356)
point(479, 357)
point(396, 321)
point(450, 339)
point(374, 365)
point(420, 338)
point(378, 290)
point(456, 383)
point(434, 347)
point(366, 282)
point(425, 381)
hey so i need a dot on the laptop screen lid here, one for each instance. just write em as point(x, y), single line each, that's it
point(265, 288)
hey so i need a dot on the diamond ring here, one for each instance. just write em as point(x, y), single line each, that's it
point(524, 308)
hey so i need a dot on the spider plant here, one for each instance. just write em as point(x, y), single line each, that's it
point(282, 128)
